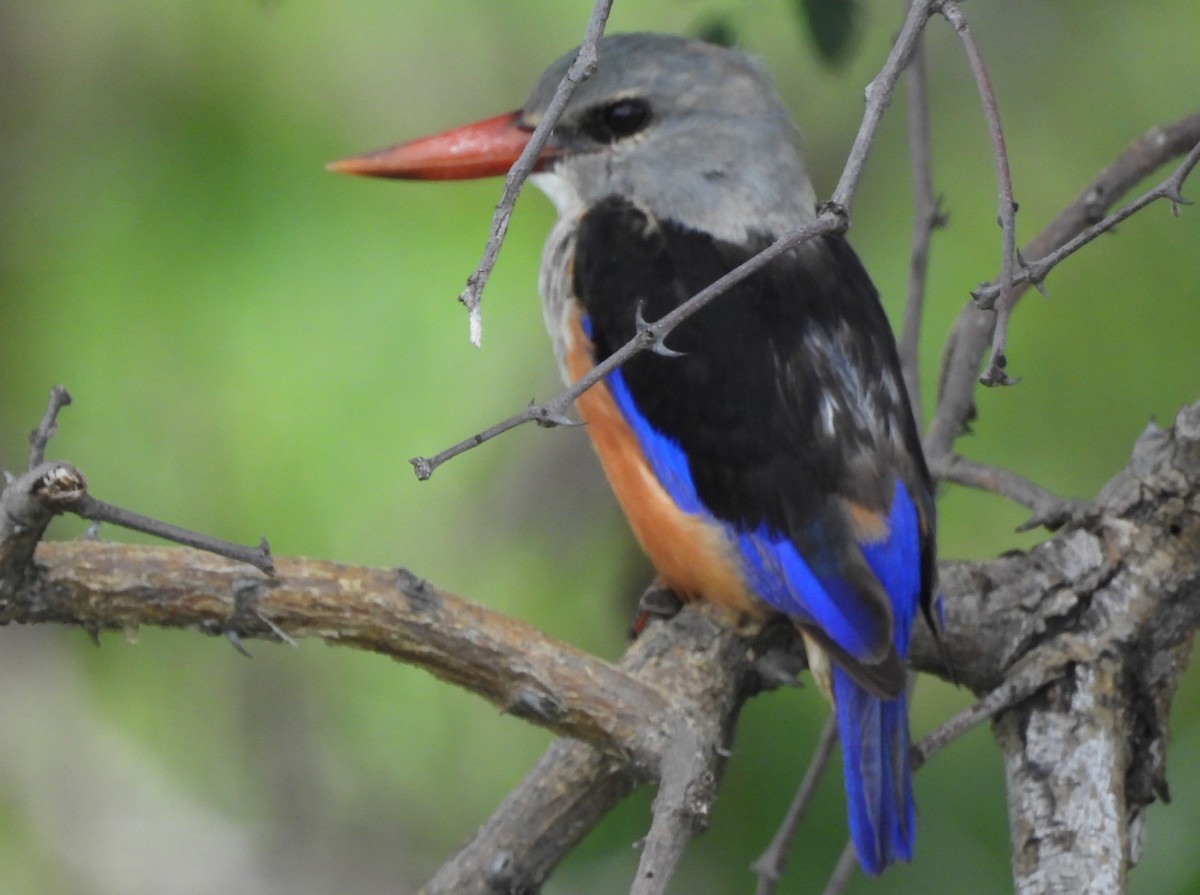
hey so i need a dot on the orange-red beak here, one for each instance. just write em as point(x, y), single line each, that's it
point(483, 149)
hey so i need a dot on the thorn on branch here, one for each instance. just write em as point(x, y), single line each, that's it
point(1032, 272)
point(549, 417)
point(650, 335)
point(838, 211)
point(940, 217)
point(235, 641)
point(995, 374)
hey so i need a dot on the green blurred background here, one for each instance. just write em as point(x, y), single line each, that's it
point(255, 347)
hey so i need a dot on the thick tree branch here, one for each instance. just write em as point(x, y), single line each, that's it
point(103, 586)
point(1110, 604)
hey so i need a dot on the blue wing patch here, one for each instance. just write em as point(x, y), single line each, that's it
point(874, 732)
point(773, 567)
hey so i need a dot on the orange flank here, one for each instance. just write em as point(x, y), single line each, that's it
point(691, 555)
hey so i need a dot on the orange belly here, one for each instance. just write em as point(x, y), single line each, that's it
point(692, 556)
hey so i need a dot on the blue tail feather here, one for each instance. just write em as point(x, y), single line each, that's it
point(873, 731)
point(874, 735)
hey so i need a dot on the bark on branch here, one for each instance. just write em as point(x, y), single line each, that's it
point(1096, 622)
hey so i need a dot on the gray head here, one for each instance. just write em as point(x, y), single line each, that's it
point(690, 130)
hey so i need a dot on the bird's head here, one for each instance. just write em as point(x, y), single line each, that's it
point(692, 131)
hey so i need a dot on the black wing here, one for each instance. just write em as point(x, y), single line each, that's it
point(787, 397)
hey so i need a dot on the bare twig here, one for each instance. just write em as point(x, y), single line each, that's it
point(994, 373)
point(974, 328)
point(40, 437)
point(833, 218)
point(769, 865)
point(1004, 697)
point(553, 412)
point(843, 872)
point(926, 216)
point(1048, 509)
point(580, 70)
point(1034, 272)
point(88, 507)
point(878, 97)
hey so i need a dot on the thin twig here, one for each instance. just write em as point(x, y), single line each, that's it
point(769, 865)
point(580, 70)
point(843, 872)
point(994, 372)
point(553, 412)
point(973, 330)
point(88, 507)
point(1034, 272)
point(1048, 509)
point(998, 700)
point(926, 216)
point(834, 217)
point(40, 437)
point(878, 97)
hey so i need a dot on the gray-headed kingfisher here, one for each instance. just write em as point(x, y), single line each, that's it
point(769, 461)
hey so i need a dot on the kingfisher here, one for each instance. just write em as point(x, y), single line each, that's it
point(765, 455)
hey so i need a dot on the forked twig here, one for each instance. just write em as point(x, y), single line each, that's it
point(1034, 272)
point(45, 490)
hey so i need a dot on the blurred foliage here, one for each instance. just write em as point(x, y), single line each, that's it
point(833, 26)
point(256, 346)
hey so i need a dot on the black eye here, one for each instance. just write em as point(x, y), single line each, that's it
point(618, 120)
